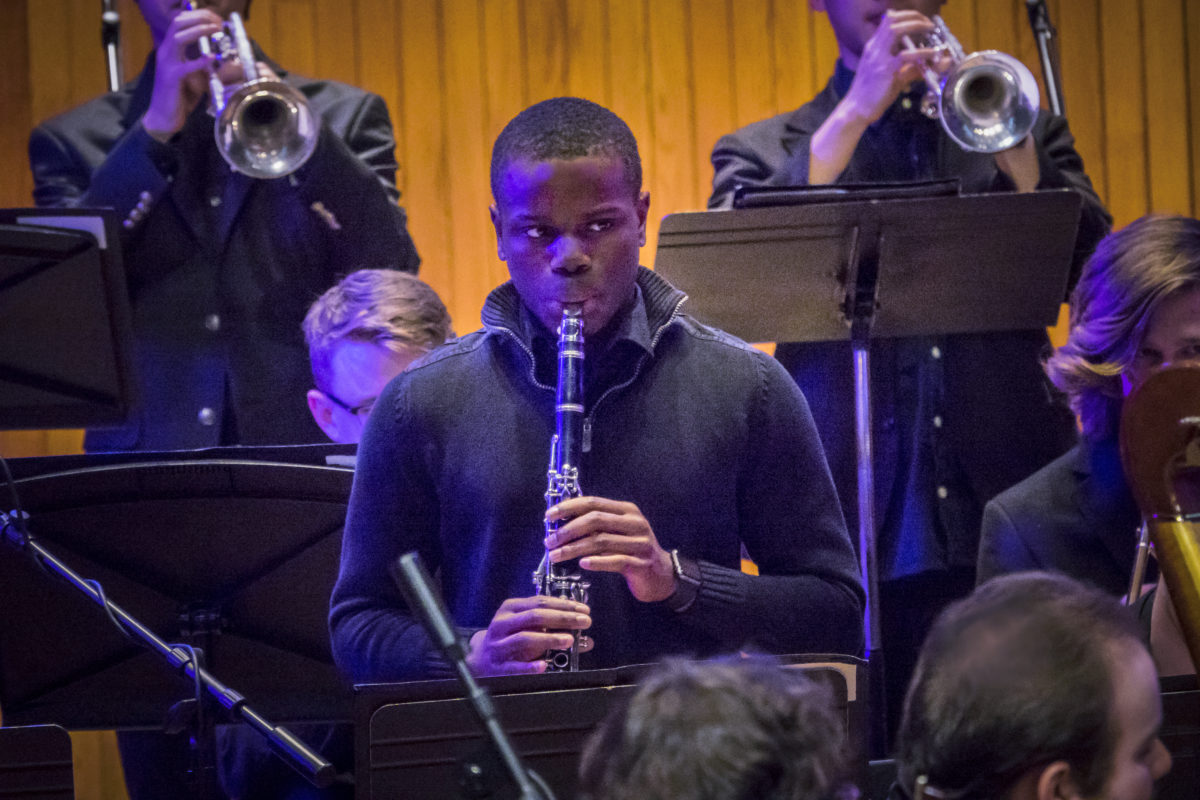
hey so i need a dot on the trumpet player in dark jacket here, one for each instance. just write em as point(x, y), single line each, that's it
point(693, 444)
point(221, 266)
point(957, 419)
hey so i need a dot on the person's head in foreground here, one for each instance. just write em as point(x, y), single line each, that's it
point(569, 210)
point(1035, 687)
point(1136, 309)
point(361, 333)
point(733, 729)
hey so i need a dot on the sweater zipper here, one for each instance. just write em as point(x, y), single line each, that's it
point(587, 421)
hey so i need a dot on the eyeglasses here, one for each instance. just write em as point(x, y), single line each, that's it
point(361, 410)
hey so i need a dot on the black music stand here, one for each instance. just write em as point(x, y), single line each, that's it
point(234, 550)
point(232, 556)
point(850, 268)
point(35, 763)
point(67, 338)
point(412, 738)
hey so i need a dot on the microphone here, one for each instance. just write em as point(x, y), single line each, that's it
point(414, 582)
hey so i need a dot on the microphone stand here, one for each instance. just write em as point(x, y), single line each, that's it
point(414, 582)
point(184, 659)
point(110, 37)
point(1046, 36)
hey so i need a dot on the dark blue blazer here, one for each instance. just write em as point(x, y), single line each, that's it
point(1075, 515)
point(221, 268)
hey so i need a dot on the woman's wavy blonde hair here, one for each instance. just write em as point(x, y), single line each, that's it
point(1132, 271)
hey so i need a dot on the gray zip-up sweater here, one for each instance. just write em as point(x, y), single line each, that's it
point(708, 436)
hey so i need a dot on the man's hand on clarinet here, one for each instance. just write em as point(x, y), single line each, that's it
point(522, 630)
point(612, 536)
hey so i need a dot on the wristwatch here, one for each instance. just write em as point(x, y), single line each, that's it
point(687, 583)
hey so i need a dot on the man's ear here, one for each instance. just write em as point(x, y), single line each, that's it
point(643, 211)
point(494, 211)
point(321, 408)
point(1055, 781)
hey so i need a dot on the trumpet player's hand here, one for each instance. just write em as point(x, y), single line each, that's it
point(180, 75)
point(886, 68)
point(1020, 164)
point(612, 536)
point(523, 629)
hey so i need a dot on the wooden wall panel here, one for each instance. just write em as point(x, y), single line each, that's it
point(680, 72)
point(1167, 110)
point(547, 49)
point(710, 51)
point(1078, 24)
point(586, 36)
point(467, 146)
point(670, 162)
point(753, 60)
point(16, 98)
point(337, 56)
point(1123, 71)
point(797, 76)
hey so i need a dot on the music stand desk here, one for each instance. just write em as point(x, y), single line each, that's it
point(217, 548)
point(411, 738)
point(66, 330)
point(946, 265)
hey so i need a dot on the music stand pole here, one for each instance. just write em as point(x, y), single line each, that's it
point(110, 37)
point(862, 315)
point(311, 765)
point(1046, 36)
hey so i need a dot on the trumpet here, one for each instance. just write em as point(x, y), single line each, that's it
point(987, 101)
point(265, 128)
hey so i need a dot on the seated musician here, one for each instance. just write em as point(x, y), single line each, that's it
point(1136, 309)
point(361, 333)
point(692, 444)
point(1036, 687)
point(740, 729)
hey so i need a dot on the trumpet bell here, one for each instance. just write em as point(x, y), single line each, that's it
point(266, 129)
point(989, 102)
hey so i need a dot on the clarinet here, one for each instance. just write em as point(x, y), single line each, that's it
point(565, 579)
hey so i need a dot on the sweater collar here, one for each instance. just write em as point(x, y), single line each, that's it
point(641, 322)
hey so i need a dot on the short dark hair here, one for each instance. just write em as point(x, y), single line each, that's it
point(732, 729)
point(1014, 677)
point(565, 128)
point(390, 308)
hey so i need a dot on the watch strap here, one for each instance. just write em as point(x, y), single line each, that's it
point(688, 580)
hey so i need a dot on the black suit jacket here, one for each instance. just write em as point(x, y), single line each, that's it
point(1076, 515)
point(222, 268)
point(775, 152)
point(997, 418)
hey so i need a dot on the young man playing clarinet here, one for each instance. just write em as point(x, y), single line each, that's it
point(692, 444)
